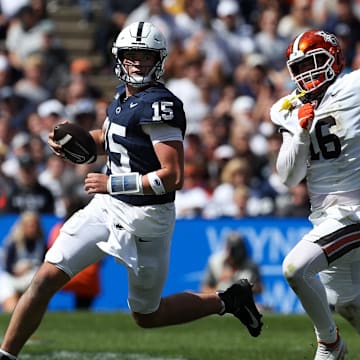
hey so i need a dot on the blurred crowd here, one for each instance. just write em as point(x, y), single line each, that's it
point(226, 63)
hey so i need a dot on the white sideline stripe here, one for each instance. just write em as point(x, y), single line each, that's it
point(69, 355)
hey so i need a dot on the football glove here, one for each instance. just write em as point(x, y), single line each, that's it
point(306, 115)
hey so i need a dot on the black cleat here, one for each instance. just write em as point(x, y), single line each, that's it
point(238, 300)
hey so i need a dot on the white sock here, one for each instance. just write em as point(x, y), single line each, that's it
point(11, 357)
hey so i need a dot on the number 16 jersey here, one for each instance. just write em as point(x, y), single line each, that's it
point(333, 163)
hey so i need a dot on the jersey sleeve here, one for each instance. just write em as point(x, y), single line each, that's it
point(283, 118)
point(161, 106)
point(293, 154)
point(162, 132)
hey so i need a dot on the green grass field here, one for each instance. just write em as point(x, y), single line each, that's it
point(110, 336)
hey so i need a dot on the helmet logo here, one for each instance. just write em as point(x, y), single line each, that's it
point(328, 37)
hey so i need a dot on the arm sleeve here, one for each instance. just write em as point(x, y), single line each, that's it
point(162, 132)
point(291, 162)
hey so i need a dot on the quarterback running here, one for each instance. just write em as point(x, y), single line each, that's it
point(320, 126)
point(132, 214)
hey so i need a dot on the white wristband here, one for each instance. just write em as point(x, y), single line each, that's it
point(156, 183)
point(129, 183)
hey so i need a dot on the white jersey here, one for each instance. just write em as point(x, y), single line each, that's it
point(333, 160)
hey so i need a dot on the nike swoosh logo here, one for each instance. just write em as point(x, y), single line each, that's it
point(254, 322)
point(79, 157)
point(132, 105)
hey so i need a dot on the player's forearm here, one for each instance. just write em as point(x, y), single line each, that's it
point(172, 180)
point(291, 161)
point(171, 158)
point(152, 183)
point(168, 178)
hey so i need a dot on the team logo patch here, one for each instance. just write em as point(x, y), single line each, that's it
point(328, 37)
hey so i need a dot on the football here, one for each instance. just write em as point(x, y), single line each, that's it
point(77, 144)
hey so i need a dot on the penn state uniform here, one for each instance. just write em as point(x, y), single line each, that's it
point(128, 147)
point(135, 229)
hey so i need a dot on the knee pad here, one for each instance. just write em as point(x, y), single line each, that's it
point(350, 312)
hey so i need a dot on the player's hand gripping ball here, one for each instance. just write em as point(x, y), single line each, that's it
point(77, 144)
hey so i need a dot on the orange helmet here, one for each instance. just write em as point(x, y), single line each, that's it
point(314, 61)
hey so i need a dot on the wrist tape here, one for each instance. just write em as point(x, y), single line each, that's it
point(156, 183)
point(130, 183)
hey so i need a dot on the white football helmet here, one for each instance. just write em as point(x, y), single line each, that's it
point(140, 36)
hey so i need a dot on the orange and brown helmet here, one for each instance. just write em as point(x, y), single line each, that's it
point(315, 59)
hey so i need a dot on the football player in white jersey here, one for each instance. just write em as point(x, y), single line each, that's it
point(132, 215)
point(320, 125)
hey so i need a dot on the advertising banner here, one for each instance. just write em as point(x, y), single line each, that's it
point(268, 241)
